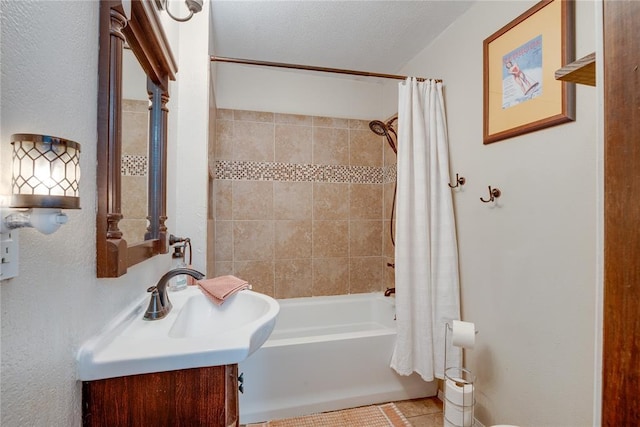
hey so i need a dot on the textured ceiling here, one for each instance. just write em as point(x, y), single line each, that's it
point(374, 36)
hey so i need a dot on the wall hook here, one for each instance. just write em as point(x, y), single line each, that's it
point(494, 193)
point(460, 180)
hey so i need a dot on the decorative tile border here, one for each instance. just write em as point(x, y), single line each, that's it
point(133, 165)
point(389, 174)
point(271, 171)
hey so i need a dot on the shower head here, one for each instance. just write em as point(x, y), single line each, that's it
point(385, 129)
point(378, 127)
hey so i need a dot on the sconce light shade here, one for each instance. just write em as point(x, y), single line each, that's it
point(46, 172)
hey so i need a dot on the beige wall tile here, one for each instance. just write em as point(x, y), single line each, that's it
point(253, 141)
point(135, 131)
point(388, 190)
point(224, 114)
point(211, 255)
point(224, 241)
point(253, 116)
point(224, 139)
point(294, 119)
point(330, 276)
point(258, 273)
point(293, 144)
point(133, 229)
point(390, 157)
point(365, 274)
point(296, 238)
point(293, 278)
point(330, 201)
point(332, 122)
point(135, 106)
point(365, 238)
point(389, 273)
point(223, 268)
point(330, 146)
point(134, 199)
point(359, 124)
point(365, 148)
point(292, 200)
point(293, 239)
point(252, 200)
point(365, 201)
point(388, 249)
point(253, 240)
point(223, 199)
point(330, 239)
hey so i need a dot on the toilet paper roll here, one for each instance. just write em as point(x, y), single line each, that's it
point(458, 392)
point(458, 417)
point(463, 334)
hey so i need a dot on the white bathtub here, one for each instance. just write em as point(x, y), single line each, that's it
point(326, 353)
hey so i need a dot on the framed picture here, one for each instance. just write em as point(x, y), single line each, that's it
point(521, 94)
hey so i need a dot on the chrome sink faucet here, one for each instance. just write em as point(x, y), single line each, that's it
point(160, 306)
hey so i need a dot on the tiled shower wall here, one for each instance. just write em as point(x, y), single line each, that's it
point(135, 131)
point(301, 203)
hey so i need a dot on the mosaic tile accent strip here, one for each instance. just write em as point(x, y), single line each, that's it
point(389, 174)
point(133, 165)
point(268, 171)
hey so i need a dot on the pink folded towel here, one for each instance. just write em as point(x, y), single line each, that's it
point(220, 288)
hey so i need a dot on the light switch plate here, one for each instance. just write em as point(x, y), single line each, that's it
point(8, 254)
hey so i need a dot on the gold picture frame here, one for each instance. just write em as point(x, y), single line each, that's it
point(521, 94)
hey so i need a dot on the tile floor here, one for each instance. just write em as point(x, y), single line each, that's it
point(426, 412)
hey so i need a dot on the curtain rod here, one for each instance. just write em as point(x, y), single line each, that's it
point(312, 68)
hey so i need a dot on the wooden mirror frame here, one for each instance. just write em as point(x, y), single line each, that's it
point(144, 34)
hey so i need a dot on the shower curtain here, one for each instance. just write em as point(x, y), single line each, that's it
point(426, 253)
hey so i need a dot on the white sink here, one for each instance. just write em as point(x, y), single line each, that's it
point(196, 333)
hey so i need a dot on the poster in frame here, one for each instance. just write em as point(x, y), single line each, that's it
point(521, 94)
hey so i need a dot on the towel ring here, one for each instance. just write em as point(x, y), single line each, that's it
point(460, 180)
point(494, 193)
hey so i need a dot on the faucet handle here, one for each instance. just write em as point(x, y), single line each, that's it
point(155, 309)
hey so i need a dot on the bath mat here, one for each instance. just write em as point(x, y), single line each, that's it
point(387, 415)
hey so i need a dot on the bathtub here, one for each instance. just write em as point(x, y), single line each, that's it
point(326, 353)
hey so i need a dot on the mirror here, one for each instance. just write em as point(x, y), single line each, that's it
point(135, 149)
point(144, 34)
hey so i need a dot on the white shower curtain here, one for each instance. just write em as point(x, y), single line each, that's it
point(426, 254)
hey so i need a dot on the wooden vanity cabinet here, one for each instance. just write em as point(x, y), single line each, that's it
point(190, 397)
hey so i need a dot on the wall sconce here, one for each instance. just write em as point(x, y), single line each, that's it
point(194, 7)
point(45, 179)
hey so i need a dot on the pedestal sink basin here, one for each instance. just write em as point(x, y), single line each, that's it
point(196, 333)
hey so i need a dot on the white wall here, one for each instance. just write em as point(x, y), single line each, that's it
point(49, 85)
point(528, 264)
point(188, 165)
point(244, 87)
point(134, 80)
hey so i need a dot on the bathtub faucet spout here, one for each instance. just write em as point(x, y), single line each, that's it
point(389, 291)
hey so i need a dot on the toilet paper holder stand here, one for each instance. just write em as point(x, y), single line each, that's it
point(448, 329)
point(459, 398)
point(459, 408)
